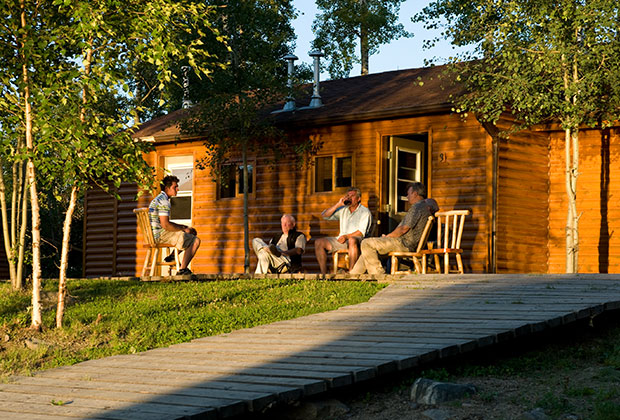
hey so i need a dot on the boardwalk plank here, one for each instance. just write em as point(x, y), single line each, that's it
point(228, 407)
point(255, 400)
point(284, 394)
point(42, 404)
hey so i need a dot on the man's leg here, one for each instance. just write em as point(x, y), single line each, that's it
point(260, 249)
point(190, 252)
point(354, 252)
point(321, 248)
point(359, 267)
point(373, 247)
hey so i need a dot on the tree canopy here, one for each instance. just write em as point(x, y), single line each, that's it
point(343, 24)
point(542, 61)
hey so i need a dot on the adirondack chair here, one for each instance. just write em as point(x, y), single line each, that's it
point(396, 255)
point(449, 234)
point(152, 259)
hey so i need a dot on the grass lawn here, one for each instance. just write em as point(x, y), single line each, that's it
point(108, 317)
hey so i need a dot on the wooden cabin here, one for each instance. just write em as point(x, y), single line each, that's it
point(378, 132)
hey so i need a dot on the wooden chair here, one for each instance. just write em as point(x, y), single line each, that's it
point(344, 253)
point(449, 234)
point(396, 255)
point(152, 252)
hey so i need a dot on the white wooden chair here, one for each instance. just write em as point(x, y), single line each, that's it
point(396, 255)
point(152, 258)
point(449, 234)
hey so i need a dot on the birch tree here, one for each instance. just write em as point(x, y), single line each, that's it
point(63, 63)
point(111, 39)
point(341, 25)
point(542, 61)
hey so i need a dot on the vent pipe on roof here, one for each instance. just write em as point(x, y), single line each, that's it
point(316, 101)
point(290, 100)
point(186, 102)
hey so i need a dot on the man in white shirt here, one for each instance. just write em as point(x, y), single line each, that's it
point(355, 221)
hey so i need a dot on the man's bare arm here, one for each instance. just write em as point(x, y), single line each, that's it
point(175, 227)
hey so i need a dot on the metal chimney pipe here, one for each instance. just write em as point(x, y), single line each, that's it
point(316, 101)
point(186, 102)
point(290, 100)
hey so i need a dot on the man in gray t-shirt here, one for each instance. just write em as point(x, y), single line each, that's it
point(404, 237)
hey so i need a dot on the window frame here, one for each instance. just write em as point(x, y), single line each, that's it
point(238, 187)
point(334, 157)
point(168, 168)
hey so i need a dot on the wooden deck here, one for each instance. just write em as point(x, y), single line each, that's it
point(413, 321)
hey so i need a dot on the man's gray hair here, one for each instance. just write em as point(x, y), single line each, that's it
point(289, 216)
point(417, 187)
point(357, 191)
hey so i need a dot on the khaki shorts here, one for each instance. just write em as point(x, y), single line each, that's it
point(179, 239)
point(337, 246)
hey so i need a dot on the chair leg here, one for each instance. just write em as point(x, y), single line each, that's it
point(416, 264)
point(437, 265)
point(446, 263)
point(424, 263)
point(335, 269)
point(145, 265)
point(393, 264)
point(154, 257)
point(459, 262)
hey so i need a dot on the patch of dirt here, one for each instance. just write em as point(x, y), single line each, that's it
point(568, 395)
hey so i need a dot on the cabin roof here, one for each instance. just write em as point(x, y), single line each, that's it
point(375, 96)
point(389, 94)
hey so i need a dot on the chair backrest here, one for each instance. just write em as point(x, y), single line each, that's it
point(425, 233)
point(145, 225)
point(450, 228)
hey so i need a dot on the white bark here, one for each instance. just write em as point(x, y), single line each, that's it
point(64, 258)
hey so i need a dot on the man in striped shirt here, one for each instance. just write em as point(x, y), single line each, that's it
point(181, 237)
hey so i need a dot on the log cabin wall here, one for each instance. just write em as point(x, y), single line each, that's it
point(459, 180)
point(456, 162)
point(522, 208)
point(598, 187)
point(110, 232)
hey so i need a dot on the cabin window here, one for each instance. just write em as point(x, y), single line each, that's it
point(332, 173)
point(231, 180)
point(181, 206)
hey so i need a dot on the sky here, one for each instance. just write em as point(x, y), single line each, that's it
point(404, 53)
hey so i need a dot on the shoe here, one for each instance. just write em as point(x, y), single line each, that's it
point(274, 250)
point(169, 258)
point(184, 272)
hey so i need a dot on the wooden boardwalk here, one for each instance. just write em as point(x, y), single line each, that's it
point(413, 321)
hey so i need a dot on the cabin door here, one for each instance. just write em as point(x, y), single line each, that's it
point(407, 163)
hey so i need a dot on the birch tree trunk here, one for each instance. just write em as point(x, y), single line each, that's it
point(8, 247)
point(64, 258)
point(32, 185)
point(66, 229)
point(571, 146)
point(364, 50)
point(246, 223)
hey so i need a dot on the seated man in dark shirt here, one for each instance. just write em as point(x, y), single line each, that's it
point(283, 253)
point(404, 237)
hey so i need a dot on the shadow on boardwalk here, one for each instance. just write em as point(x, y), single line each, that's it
point(417, 320)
